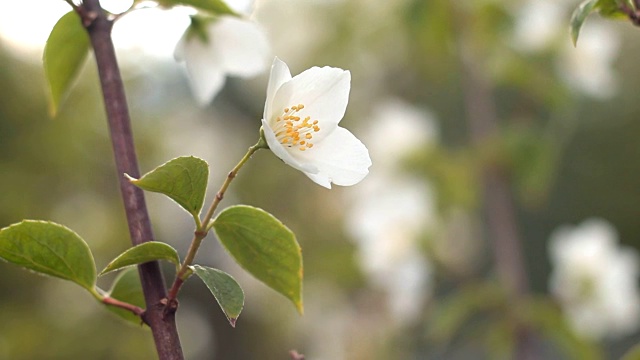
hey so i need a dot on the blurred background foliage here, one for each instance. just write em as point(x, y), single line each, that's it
point(565, 142)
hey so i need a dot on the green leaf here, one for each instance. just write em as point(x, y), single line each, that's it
point(264, 247)
point(579, 16)
point(50, 249)
point(127, 288)
point(183, 179)
point(612, 8)
point(140, 254)
point(214, 7)
point(225, 289)
point(64, 54)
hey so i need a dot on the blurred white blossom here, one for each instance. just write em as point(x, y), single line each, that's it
point(297, 27)
point(215, 48)
point(595, 279)
point(390, 213)
point(397, 129)
point(588, 67)
point(538, 23)
point(387, 226)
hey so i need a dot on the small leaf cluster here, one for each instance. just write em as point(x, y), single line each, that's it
point(68, 46)
point(257, 241)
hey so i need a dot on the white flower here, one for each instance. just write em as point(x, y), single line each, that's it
point(595, 280)
point(300, 125)
point(223, 46)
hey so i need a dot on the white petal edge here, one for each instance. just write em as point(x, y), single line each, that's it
point(241, 45)
point(341, 159)
point(178, 52)
point(206, 76)
point(280, 74)
point(281, 152)
point(324, 93)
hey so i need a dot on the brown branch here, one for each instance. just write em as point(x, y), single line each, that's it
point(499, 209)
point(632, 14)
point(162, 324)
point(498, 204)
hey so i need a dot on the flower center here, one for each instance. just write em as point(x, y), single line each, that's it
point(293, 131)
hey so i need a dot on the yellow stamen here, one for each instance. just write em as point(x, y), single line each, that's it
point(293, 128)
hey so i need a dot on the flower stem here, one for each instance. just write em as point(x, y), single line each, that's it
point(232, 174)
point(206, 224)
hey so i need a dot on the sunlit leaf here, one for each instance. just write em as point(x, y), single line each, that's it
point(225, 289)
point(50, 249)
point(64, 54)
point(264, 247)
point(579, 16)
point(215, 7)
point(140, 254)
point(612, 8)
point(183, 179)
point(127, 288)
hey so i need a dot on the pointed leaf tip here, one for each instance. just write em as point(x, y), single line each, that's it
point(51, 249)
point(264, 247)
point(579, 16)
point(182, 179)
point(225, 289)
point(140, 254)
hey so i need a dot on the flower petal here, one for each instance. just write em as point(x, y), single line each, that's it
point(280, 151)
point(341, 159)
point(242, 46)
point(324, 92)
point(203, 67)
point(179, 51)
point(279, 75)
